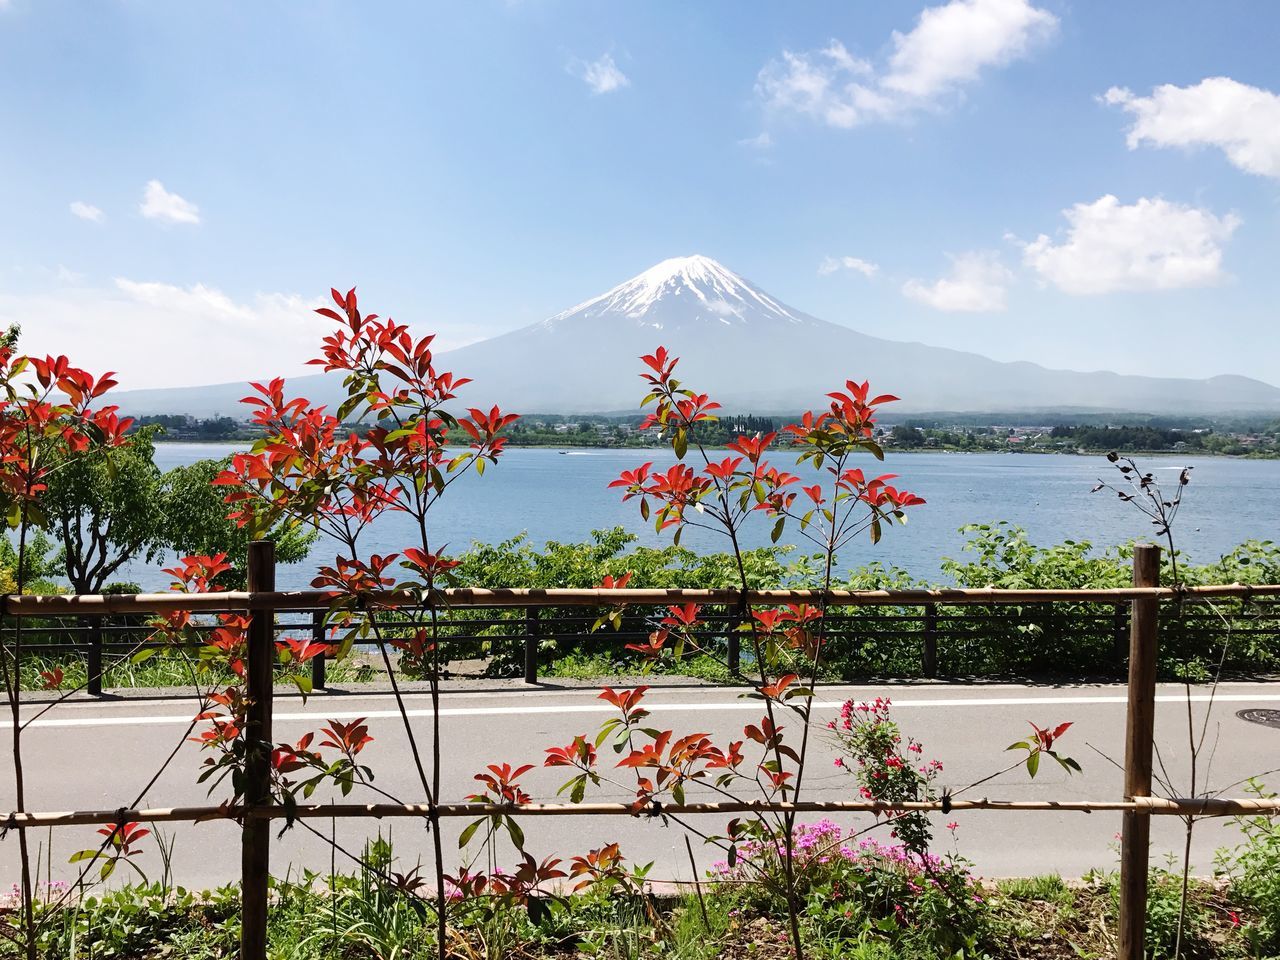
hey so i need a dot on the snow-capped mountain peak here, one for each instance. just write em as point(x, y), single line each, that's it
point(697, 288)
point(752, 353)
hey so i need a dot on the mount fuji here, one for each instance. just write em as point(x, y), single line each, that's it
point(751, 352)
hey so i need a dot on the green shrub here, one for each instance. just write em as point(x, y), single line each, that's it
point(1253, 871)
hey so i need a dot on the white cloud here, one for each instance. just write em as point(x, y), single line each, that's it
point(977, 283)
point(602, 76)
point(160, 335)
point(85, 211)
point(952, 43)
point(761, 141)
point(1149, 245)
point(949, 46)
point(159, 204)
point(830, 265)
point(163, 335)
point(818, 84)
point(1240, 120)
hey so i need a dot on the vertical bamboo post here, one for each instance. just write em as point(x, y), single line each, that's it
point(94, 656)
point(318, 665)
point(929, 664)
point(531, 631)
point(255, 835)
point(1135, 842)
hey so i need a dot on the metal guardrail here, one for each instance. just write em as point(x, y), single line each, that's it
point(940, 637)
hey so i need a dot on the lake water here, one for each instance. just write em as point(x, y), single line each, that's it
point(562, 495)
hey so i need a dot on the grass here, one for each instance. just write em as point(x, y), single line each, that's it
point(165, 671)
point(584, 666)
point(356, 917)
point(361, 916)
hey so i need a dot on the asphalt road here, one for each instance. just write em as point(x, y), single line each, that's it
point(99, 755)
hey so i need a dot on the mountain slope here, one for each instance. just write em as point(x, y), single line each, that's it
point(738, 344)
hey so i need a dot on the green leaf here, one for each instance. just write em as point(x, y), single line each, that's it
point(1033, 762)
point(538, 910)
point(514, 831)
point(1067, 763)
point(680, 443)
point(777, 529)
point(347, 405)
point(465, 837)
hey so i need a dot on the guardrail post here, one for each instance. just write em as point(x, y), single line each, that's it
point(1135, 842)
point(531, 631)
point(929, 662)
point(318, 665)
point(94, 656)
point(733, 644)
point(255, 835)
point(1120, 633)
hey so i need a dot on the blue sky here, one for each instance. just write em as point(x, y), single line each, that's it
point(1085, 185)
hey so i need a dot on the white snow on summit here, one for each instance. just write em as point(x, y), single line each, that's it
point(723, 294)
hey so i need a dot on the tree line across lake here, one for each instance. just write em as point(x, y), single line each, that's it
point(1255, 437)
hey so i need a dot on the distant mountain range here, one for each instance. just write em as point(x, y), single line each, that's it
point(752, 353)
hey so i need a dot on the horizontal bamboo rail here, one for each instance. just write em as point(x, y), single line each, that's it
point(29, 605)
point(1156, 806)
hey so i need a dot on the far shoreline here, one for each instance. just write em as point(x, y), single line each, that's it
point(896, 451)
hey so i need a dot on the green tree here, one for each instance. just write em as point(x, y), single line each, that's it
point(39, 564)
point(908, 437)
point(106, 510)
point(196, 522)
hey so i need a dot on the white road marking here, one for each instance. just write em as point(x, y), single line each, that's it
point(653, 707)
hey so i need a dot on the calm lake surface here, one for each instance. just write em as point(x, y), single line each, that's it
point(562, 495)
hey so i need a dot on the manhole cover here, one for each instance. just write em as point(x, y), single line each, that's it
point(1268, 718)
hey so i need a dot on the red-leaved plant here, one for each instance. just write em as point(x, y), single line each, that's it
point(310, 468)
point(723, 494)
point(787, 642)
point(50, 416)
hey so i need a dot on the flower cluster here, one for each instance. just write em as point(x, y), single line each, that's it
point(865, 882)
point(824, 842)
point(885, 767)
